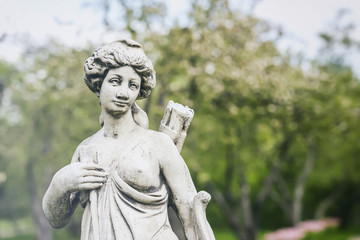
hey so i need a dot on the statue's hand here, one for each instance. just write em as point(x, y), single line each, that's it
point(79, 177)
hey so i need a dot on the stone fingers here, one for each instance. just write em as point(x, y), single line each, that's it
point(92, 179)
point(98, 173)
point(92, 166)
point(89, 186)
point(90, 182)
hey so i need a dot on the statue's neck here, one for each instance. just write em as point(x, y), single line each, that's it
point(115, 126)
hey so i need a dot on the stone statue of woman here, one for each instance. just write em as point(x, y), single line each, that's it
point(125, 175)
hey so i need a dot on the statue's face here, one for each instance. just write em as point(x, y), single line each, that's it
point(119, 90)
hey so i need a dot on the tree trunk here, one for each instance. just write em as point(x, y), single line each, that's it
point(230, 215)
point(274, 178)
point(301, 181)
point(43, 229)
point(263, 194)
point(246, 208)
point(229, 170)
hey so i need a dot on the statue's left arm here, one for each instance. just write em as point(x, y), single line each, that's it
point(178, 178)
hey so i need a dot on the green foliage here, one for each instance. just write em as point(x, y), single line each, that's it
point(24, 237)
point(256, 111)
point(256, 115)
point(46, 128)
point(58, 235)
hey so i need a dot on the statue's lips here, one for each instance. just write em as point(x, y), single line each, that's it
point(120, 103)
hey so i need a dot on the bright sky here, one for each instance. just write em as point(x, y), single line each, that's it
point(75, 23)
point(304, 19)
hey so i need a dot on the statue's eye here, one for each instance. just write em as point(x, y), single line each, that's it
point(115, 81)
point(133, 86)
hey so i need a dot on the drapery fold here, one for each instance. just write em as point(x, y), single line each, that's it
point(125, 213)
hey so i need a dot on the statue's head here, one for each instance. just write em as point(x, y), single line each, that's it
point(120, 53)
point(116, 55)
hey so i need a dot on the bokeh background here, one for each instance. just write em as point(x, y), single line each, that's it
point(274, 85)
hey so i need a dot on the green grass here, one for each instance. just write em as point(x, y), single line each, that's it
point(221, 234)
point(334, 234)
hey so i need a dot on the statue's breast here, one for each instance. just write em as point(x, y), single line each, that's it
point(140, 169)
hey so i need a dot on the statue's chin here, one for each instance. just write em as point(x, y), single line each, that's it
point(117, 113)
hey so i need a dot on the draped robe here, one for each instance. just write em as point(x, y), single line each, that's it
point(118, 211)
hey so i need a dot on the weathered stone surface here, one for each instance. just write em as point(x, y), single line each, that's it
point(176, 122)
point(125, 175)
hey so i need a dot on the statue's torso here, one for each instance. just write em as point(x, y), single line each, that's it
point(132, 204)
point(134, 159)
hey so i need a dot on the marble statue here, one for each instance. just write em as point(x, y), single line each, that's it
point(125, 175)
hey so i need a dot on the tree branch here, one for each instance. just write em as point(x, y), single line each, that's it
point(330, 200)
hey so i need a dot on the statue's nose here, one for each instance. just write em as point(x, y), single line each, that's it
point(122, 93)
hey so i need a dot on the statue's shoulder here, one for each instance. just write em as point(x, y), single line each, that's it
point(87, 142)
point(93, 139)
point(160, 143)
point(157, 137)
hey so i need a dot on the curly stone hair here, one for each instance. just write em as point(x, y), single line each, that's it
point(123, 52)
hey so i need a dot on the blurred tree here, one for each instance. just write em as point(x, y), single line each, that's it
point(240, 88)
point(266, 118)
point(48, 126)
point(264, 128)
point(339, 45)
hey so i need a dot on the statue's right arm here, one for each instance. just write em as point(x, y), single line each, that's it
point(58, 206)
